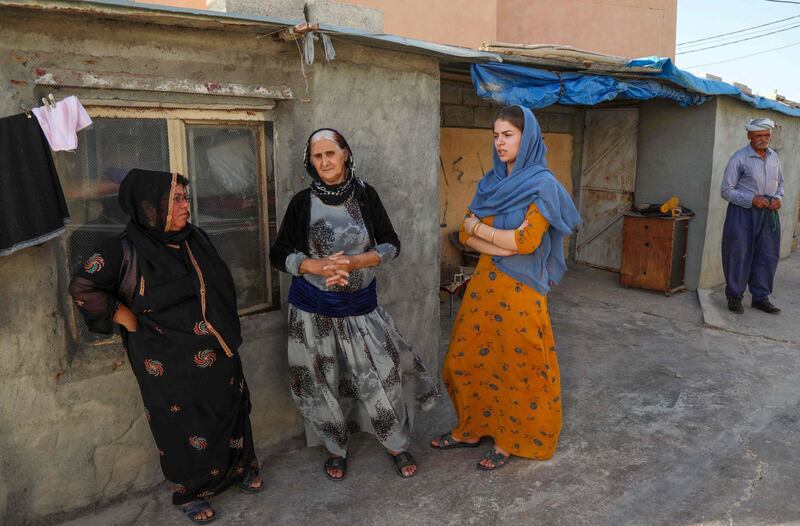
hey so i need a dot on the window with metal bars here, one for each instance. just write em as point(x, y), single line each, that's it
point(227, 158)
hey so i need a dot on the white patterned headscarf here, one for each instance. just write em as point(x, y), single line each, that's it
point(759, 124)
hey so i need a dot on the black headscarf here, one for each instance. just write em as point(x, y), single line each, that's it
point(170, 277)
point(338, 193)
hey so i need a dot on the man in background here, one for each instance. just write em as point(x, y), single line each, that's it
point(751, 238)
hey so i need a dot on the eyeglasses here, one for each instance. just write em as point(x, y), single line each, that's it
point(182, 198)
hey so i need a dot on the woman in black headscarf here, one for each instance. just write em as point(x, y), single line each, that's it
point(349, 368)
point(172, 294)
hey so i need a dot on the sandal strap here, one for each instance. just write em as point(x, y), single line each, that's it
point(251, 476)
point(196, 506)
point(495, 457)
point(336, 463)
point(404, 459)
point(447, 437)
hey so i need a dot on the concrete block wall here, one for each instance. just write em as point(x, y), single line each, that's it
point(324, 11)
point(72, 432)
point(347, 15)
point(462, 108)
point(674, 157)
point(286, 9)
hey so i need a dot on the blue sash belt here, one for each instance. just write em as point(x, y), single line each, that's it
point(309, 298)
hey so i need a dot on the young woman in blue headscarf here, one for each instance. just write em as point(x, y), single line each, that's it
point(501, 369)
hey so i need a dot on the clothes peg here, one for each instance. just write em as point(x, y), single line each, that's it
point(27, 111)
point(49, 102)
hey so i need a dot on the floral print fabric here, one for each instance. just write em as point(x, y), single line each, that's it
point(501, 369)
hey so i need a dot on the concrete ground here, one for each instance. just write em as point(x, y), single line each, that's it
point(666, 422)
point(753, 322)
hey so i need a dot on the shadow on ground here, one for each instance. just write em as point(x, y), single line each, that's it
point(666, 422)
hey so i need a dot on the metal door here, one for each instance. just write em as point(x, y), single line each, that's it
point(607, 181)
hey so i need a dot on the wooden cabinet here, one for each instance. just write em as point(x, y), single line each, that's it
point(654, 252)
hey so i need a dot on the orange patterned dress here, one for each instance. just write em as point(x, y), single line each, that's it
point(501, 369)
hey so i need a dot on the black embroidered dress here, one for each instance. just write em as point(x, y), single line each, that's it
point(184, 350)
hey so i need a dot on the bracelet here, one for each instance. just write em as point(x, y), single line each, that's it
point(494, 231)
point(475, 228)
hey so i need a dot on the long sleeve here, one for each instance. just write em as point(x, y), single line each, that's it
point(462, 234)
point(730, 179)
point(779, 193)
point(293, 262)
point(289, 239)
point(94, 286)
point(382, 226)
point(529, 238)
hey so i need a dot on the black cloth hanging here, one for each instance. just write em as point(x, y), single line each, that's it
point(32, 205)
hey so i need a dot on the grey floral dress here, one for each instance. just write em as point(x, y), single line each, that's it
point(354, 373)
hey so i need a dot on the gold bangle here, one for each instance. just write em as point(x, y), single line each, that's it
point(475, 228)
point(494, 231)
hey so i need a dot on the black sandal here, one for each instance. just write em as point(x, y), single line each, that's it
point(336, 463)
point(452, 443)
point(247, 483)
point(191, 509)
point(403, 460)
point(495, 457)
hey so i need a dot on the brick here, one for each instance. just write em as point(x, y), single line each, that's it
point(484, 117)
point(451, 93)
point(471, 98)
point(457, 116)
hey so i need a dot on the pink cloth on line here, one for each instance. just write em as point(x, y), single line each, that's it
point(62, 124)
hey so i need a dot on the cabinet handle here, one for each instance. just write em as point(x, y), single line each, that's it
point(647, 244)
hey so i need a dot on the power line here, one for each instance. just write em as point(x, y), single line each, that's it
point(783, 1)
point(714, 37)
point(743, 56)
point(737, 41)
point(729, 38)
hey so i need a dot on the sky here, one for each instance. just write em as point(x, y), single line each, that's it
point(763, 73)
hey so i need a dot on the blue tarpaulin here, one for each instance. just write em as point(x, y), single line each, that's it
point(669, 71)
point(538, 88)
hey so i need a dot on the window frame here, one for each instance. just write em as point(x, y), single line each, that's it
point(177, 118)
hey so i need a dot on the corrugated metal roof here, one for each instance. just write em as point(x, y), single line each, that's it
point(196, 18)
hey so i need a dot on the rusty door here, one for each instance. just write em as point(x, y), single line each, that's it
point(607, 180)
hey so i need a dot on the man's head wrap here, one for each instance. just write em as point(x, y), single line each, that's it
point(759, 124)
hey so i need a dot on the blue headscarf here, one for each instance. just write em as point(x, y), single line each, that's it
point(508, 198)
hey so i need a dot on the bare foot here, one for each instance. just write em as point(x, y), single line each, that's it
point(205, 515)
point(256, 483)
point(206, 512)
